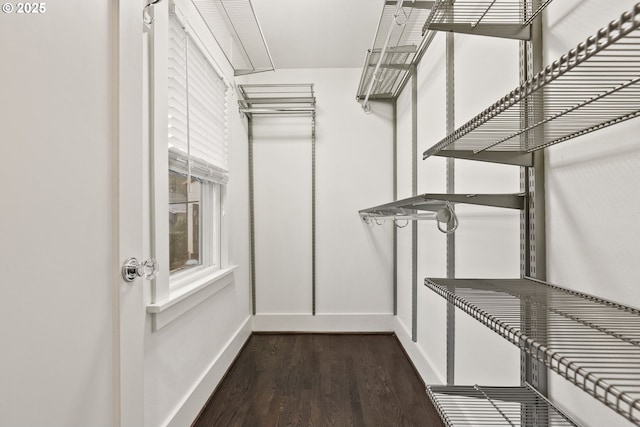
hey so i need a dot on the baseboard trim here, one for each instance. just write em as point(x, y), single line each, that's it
point(421, 362)
point(190, 407)
point(327, 323)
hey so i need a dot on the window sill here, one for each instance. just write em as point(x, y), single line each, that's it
point(187, 297)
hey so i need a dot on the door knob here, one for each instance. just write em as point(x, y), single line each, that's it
point(132, 269)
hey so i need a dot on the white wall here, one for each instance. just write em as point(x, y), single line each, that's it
point(592, 201)
point(282, 188)
point(56, 222)
point(591, 196)
point(353, 171)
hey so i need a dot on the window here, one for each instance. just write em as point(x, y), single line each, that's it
point(184, 222)
point(197, 150)
point(188, 89)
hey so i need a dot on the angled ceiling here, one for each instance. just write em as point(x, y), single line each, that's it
point(318, 33)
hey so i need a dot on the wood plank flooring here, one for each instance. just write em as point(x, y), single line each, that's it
point(320, 380)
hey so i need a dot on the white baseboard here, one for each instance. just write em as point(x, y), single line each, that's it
point(323, 323)
point(197, 397)
point(420, 360)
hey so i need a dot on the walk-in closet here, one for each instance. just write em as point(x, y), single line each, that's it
point(339, 213)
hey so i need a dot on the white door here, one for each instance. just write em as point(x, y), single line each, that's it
point(130, 311)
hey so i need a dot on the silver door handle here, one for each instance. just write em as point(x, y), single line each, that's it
point(132, 269)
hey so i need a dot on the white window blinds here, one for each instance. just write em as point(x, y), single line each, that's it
point(198, 128)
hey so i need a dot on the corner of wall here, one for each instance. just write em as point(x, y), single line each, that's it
point(424, 366)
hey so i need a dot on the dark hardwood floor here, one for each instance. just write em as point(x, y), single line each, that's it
point(320, 380)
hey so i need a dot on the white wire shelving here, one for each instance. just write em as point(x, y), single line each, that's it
point(432, 202)
point(593, 86)
point(592, 342)
point(235, 27)
point(462, 406)
point(397, 41)
point(496, 18)
point(406, 29)
point(437, 207)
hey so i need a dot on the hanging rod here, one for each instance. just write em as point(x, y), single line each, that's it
point(593, 86)
point(274, 110)
point(446, 218)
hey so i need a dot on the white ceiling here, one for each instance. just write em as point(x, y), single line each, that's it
point(318, 33)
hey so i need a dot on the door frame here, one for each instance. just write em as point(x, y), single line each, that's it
point(129, 313)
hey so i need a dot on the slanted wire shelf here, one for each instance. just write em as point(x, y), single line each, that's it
point(395, 55)
point(401, 42)
point(432, 202)
point(592, 342)
point(235, 27)
point(460, 406)
point(593, 86)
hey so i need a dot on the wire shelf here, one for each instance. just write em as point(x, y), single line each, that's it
point(434, 202)
point(460, 406)
point(404, 34)
point(235, 27)
point(396, 43)
point(497, 18)
point(592, 342)
point(589, 88)
point(277, 99)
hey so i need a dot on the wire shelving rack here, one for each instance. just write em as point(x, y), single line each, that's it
point(277, 99)
point(405, 32)
point(460, 406)
point(506, 18)
point(397, 41)
point(433, 202)
point(592, 342)
point(593, 86)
